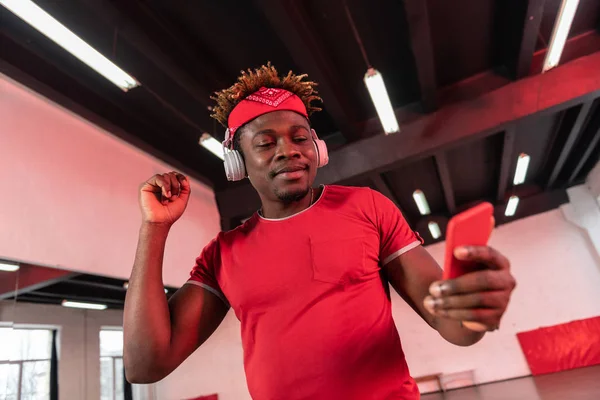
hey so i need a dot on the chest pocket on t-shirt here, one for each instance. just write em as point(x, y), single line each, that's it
point(338, 261)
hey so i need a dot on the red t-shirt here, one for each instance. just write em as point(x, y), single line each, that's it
point(315, 315)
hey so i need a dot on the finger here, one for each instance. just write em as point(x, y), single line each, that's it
point(478, 281)
point(486, 316)
point(167, 187)
point(184, 186)
point(184, 182)
point(155, 184)
point(174, 184)
point(478, 327)
point(497, 299)
point(483, 255)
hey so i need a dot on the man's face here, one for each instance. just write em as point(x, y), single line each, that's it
point(280, 156)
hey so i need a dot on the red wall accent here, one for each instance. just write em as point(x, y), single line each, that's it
point(209, 397)
point(561, 347)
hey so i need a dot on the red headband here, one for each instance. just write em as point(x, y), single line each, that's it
point(264, 101)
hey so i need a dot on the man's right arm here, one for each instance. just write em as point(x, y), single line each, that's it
point(160, 335)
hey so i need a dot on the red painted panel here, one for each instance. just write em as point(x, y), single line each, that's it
point(209, 397)
point(561, 347)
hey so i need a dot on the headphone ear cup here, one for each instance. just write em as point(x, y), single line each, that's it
point(323, 153)
point(235, 170)
point(321, 149)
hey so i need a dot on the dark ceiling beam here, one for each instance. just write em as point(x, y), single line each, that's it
point(294, 28)
point(383, 188)
point(591, 148)
point(96, 285)
point(574, 134)
point(507, 161)
point(32, 278)
point(558, 89)
point(531, 29)
point(528, 206)
point(576, 47)
point(198, 56)
point(531, 205)
point(444, 172)
point(417, 17)
point(554, 91)
point(128, 30)
point(100, 25)
point(67, 296)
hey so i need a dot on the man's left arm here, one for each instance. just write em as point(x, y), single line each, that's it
point(478, 297)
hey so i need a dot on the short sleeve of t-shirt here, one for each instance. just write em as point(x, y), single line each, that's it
point(396, 237)
point(203, 274)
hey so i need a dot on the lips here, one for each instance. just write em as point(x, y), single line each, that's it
point(291, 168)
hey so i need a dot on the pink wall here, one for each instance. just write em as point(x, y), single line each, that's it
point(70, 193)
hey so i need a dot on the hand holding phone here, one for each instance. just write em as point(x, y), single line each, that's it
point(477, 282)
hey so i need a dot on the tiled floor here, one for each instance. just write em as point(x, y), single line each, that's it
point(578, 384)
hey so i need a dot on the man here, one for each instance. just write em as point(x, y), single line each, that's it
point(307, 275)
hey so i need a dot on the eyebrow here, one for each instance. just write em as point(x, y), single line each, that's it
point(271, 131)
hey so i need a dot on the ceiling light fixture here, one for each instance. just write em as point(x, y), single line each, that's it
point(560, 33)
point(381, 100)
point(421, 201)
point(511, 207)
point(87, 306)
point(375, 85)
point(521, 171)
point(8, 266)
point(213, 145)
point(35, 16)
point(434, 229)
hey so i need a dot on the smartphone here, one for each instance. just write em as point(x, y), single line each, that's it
point(469, 228)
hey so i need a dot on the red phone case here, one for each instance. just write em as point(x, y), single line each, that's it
point(472, 227)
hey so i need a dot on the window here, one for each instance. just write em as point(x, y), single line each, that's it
point(112, 376)
point(25, 364)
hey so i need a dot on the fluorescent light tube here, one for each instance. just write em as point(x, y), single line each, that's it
point(511, 207)
point(421, 201)
point(434, 229)
point(87, 306)
point(31, 13)
point(560, 33)
point(521, 171)
point(8, 267)
point(381, 100)
point(213, 145)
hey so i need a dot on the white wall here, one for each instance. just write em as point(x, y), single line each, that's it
point(558, 279)
point(70, 193)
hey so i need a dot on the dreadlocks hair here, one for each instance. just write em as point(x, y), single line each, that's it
point(250, 81)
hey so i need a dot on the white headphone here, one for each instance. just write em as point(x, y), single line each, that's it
point(234, 163)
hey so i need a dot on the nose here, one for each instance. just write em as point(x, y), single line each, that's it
point(286, 149)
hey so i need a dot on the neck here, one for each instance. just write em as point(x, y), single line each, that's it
point(278, 209)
